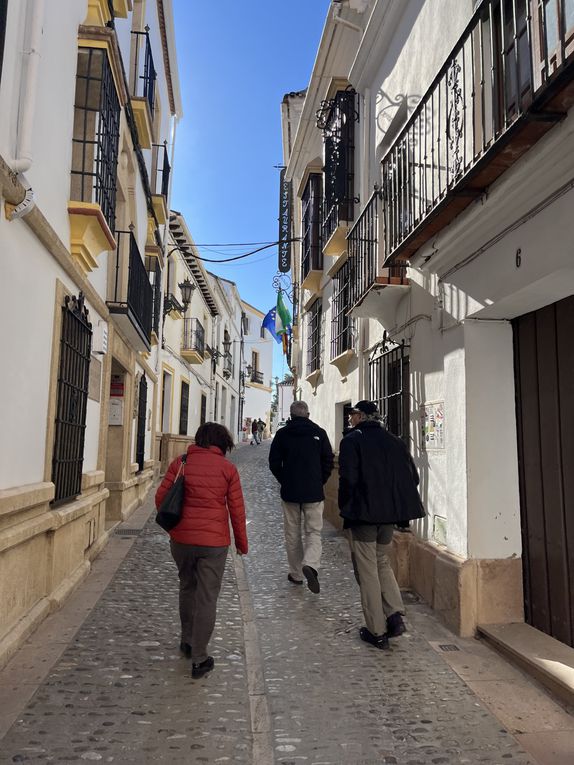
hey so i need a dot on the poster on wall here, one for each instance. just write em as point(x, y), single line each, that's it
point(432, 425)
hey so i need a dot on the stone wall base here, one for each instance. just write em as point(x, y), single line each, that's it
point(126, 496)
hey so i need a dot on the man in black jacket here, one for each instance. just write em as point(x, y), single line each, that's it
point(301, 459)
point(377, 488)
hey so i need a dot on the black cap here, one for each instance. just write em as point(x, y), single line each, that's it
point(366, 407)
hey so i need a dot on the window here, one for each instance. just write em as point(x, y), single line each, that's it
point(203, 410)
point(262, 332)
point(312, 247)
point(389, 387)
point(183, 408)
point(314, 337)
point(3, 14)
point(72, 399)
point(337, 119)
point(341, 323)
point(96, 133)
point(246, 324)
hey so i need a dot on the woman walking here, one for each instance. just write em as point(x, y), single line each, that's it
point(200, 541)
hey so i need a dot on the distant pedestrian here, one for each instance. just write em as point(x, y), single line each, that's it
point(377, 488)
point(254, 432)
point(200, 541)
point(301, 459)
point(260, 429)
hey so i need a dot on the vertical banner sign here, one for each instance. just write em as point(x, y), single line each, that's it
point(284, 224)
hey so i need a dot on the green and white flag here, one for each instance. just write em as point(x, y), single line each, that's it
point(282, 316)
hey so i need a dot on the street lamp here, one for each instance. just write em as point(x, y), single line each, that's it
point(186, 287)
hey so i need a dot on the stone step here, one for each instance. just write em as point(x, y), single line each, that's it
point(546, 659)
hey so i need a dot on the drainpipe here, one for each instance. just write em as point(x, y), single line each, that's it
point(338, 19)
point(27, 103)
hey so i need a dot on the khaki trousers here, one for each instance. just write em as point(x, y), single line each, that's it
point(380, 593)
point(306, 550)
point(200, 571)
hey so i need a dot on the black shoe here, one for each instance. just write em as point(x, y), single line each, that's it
point(312, 579)
point(379, 641)
point(185, 648)
point(395, 625)
point(199, 670)
point(293, 580)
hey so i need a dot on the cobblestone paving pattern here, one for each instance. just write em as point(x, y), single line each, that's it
point(334, 699)
point(122, 693)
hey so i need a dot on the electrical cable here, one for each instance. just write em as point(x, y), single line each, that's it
point(236, 257)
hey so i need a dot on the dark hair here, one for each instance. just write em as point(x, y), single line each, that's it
point(212, 434)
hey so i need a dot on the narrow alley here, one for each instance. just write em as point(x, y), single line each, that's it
point(103, 680)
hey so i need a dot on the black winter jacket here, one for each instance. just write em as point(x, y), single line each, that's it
point(377, 477)
point(301, 459)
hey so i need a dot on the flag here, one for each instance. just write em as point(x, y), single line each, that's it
point(282, 316)
point(268, 323)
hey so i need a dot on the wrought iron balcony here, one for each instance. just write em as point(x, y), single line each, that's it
point(256, 377)
point(365, 257)
point(130, 291)
point(227, 366)
point(144, 74)
point(505, 84)
point(160, 170)
point(193, 344)
point(155, 273)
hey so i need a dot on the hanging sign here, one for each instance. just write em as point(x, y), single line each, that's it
point(284, 224)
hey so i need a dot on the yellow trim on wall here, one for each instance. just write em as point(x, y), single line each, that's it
point(98, 13)
point(122, 8)
point(89, 234)
point(142, 117)
point(170, 370)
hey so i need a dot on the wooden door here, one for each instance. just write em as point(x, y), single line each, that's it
point(544, 368)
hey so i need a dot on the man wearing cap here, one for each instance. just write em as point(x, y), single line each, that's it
point(301, 459)
point(377, 488)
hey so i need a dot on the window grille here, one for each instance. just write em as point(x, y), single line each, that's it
point(337, 118)
point(3, 14)
point(161, 170)
point(72, 399)
point(136, 298)
point(389, 387)
point(312, 246)
point(203, 410)
point(193, 336)
point(184, 409)
point(144, 74)
point(142, 413)
point(96, 133)
point(342, 325)
point(155, 279)
point(314, 337)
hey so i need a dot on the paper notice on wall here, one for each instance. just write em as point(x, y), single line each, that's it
point(432, 425)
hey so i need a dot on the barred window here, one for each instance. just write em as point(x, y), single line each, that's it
point(341, 323)
point(389, 387)
point(337, 119)
point(96, 133)
point(312, 247)
point(314, 337)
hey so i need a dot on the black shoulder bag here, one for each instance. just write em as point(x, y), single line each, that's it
point(169, 512)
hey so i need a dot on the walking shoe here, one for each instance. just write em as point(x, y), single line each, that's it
point(185, 648)
point(199, 670)
point(293, 580)
point(312, 579)
point(379, 641)
point(395, 625)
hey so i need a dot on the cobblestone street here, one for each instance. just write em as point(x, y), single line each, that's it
point(121, 692)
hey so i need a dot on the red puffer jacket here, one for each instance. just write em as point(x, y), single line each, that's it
point(212, 495)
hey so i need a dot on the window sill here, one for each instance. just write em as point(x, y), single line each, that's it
point(342, 361)
point(313, 377)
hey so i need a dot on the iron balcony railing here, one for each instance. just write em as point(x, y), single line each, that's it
point(311, 245)
point(512, 55)
point(155, 273)
point(161, 170)
point(131, 288)
point(365, 258)
point(144, 74)
point(256, 377)
point(193, 336)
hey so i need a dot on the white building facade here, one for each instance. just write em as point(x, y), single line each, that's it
point(257, 369)
point(432, 177)
point(89, 98)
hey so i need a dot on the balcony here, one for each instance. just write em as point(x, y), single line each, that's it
point(193, 344)
point(227, 366)
point(256, 377)
point(374, 290)
point(161, 170)
point(507, 82)
point(143, 88)
point(130, 291)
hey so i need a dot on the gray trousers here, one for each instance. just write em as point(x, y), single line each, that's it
point(306, 550)
point(200, 571)
point(380, 592)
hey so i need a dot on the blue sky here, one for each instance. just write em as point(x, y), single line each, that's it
point(236, 62)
